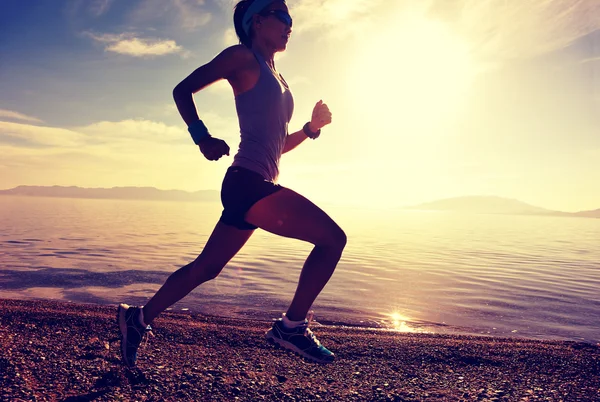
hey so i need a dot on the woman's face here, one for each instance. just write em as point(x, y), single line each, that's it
point(275, 25)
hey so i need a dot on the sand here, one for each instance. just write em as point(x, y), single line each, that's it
point(65, 351)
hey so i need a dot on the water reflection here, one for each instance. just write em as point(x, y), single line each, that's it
point(401, 271)
point(399, 323)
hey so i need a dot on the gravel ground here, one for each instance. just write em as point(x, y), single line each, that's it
point(70, 352)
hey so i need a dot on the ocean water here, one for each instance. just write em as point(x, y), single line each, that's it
point(414, 271)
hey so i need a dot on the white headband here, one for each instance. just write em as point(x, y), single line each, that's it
point(255, 8)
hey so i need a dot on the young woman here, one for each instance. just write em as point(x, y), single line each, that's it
point(250, 196)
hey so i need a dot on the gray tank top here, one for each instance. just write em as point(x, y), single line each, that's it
point(264, 112)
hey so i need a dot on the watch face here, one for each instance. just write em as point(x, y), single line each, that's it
point(306, 131)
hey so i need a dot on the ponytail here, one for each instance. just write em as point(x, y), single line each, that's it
point(238, 15)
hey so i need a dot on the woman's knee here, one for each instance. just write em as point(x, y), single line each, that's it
point(335, 238)
point(340, 238)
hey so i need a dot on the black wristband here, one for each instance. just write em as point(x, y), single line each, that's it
point(198, 131)
point(310, 134)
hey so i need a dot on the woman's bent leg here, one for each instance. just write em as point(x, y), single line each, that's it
point(287, 213)
point(223, 244)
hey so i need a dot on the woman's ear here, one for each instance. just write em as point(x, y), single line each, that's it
point(257, 19)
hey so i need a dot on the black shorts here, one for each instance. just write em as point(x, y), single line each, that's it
point(241, 189)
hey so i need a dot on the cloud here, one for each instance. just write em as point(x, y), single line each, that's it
point(230, 37)
point(28, 136)
point(133, 131)
point(227, 5)
point(497, 29)
point(99, 7)
point(144, 47)
point(187, 14)
point(26, 146)
point(128, 152)
point(9, 114)
point(337, 18)
point(106, 133)
point(591, 60)
point(510, 29)
point(93, 8)
point(129, 44)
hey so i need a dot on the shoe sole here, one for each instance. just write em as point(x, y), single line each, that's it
point(293, 348)
point(122, 323)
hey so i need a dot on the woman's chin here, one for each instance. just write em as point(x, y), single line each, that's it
point(284, 44)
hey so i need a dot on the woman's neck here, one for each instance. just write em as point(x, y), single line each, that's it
point(266, 52)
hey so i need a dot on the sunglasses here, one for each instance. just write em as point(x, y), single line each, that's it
point(280, 15)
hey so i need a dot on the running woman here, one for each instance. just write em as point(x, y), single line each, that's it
point(250, 194)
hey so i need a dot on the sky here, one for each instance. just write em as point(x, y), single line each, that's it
point(431, 99)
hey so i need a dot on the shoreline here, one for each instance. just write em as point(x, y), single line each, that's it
point(68, 351)
point(386, 325)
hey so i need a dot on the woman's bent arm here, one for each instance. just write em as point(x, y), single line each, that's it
point(224, 66)
point(293, 140)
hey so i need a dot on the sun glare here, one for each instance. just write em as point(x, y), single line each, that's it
point(411, 76)
point(398, 323)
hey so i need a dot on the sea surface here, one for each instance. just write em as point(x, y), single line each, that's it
point(403, 270)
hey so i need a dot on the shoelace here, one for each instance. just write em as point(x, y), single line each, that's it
point(147, 332)
point(307, 331)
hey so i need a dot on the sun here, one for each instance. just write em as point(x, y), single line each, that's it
point(410, 77)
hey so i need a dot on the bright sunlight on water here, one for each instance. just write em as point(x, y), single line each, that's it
point(411, 271)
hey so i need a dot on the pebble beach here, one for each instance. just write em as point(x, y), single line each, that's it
point(59, 351)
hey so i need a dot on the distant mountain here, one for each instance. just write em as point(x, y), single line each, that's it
point(123, 193)
point(495, 205)
point(589, 214)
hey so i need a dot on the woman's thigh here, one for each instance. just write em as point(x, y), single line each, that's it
point(223, 244)
point(287, 213)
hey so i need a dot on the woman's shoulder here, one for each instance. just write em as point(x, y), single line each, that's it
point(237, 53)
point(238, 65)
point(232, 60)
